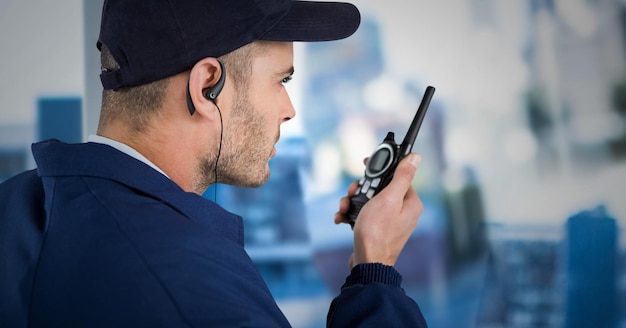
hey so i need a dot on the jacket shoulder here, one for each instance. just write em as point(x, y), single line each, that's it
point(22, 226)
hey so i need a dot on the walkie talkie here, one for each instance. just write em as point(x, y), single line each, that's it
point(382, 164)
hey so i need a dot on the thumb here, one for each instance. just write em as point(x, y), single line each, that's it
point(403, 176)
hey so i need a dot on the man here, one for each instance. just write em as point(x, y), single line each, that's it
point(114, 232)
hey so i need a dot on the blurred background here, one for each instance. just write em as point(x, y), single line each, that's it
point(524, 150)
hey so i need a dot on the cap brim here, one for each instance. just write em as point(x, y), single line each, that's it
point(315, 21)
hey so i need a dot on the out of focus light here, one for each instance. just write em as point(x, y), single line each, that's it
point(579, 17)
point(462, 147)
point(357, 138)
point(383, 93)
point(520, 146)
point(596, 128)
point(493, 74)
point(454, 180)
point(326, 167)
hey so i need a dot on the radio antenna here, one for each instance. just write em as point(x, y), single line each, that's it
point(409, 139)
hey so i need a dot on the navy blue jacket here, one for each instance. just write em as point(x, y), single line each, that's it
point(96, 238)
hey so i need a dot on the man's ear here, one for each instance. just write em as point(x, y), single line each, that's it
point(206, 81)
point(212, 92)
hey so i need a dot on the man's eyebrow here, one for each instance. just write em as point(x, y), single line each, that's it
point(288, 72)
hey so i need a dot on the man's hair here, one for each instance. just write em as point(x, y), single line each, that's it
point(138, 104)
point(238, 63)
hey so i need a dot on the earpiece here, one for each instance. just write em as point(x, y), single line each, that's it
point(214, 91)
point(210, 93)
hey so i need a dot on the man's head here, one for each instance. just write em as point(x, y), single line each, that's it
point(160, 55)
point(152, 40)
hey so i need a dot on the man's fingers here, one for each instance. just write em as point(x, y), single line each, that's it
point(344, 204)
point(352, 188)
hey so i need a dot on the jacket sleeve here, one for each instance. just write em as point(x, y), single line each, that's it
point(372, 297)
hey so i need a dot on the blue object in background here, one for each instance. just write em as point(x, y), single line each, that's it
point(591, 270)
point(59, 118)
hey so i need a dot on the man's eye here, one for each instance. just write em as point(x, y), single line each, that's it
point(286, 79)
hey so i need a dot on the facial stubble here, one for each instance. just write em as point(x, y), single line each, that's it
point(244, 156)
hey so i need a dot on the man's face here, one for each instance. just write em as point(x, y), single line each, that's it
point(252, 127)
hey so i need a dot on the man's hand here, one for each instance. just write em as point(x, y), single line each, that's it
point(386, 222)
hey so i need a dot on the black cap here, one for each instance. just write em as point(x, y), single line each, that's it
point(154, 39)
